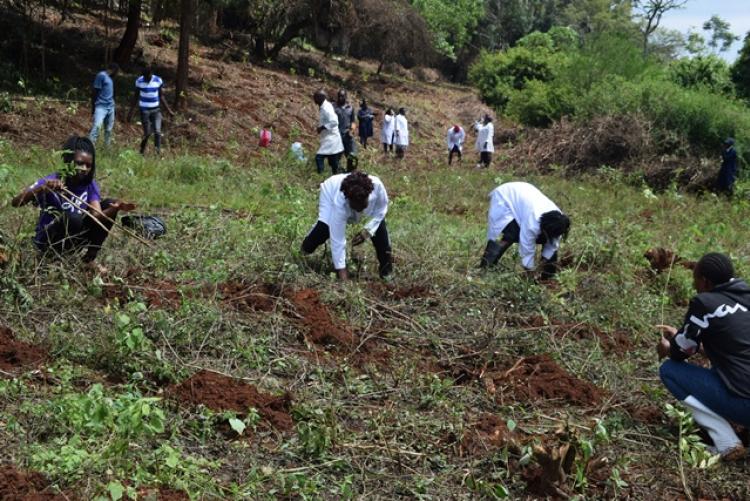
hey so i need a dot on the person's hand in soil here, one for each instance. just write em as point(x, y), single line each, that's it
point(664, 345)
point(342, 274)
point(360, 237)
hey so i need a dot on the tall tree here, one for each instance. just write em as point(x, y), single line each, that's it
point(651, 13)
point(721, 36)
point(183, 54)
point(741, 70)
point(130, 37)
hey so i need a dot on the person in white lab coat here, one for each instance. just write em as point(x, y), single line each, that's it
point(331, 145)
point(344, 199)
point(524, 215)
point(455, 140)
point(485, 137)
point(401, 133)
point(386, 131)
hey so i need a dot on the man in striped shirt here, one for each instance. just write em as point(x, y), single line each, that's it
point(149, 98)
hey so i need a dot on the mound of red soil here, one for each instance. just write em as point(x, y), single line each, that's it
point(157, 294)
point(252, 297)
point(16, 485)
point(615, 343)
point(661, 259)
point(646, 414)
point(16, 356)
point(538, 377)
point(487, 434)
point(222, 393)
point(316, 318)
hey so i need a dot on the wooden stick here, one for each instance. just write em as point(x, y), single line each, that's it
point(109, 219)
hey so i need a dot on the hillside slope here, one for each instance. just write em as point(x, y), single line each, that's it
point(229, 98)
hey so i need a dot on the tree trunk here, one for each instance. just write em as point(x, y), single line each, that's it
point(289, 34)
point(183, 54)
point(157, 12)
point(130, 37)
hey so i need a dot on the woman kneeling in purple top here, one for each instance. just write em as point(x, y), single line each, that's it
point(73, 216)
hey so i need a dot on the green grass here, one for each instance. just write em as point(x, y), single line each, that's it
point(362, 430)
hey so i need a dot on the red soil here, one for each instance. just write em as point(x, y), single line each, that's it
point(17, 485)
point(322, 328)
point(252, 297)
point(646, 414)
point(16, 356)
point(222, 393)
point(487, 434)
point(618, 342)
point(661, 259)
point(538, 377)
point(157, 294)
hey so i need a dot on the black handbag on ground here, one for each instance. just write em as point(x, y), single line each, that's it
point(150, 227)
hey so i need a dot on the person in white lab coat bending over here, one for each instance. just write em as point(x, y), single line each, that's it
point(485, 137)
point(401, 133)
point(331, 145)
point(455, 140)
point(524, 215)
point(344, 199)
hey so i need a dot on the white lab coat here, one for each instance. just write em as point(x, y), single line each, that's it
point(456, 138)
point(386, 131)
point(401, 131)
point(526, 204)
point(485, 137)
point(330, 138)
point(334, 210)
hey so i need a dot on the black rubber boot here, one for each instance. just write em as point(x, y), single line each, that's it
point(493, 252)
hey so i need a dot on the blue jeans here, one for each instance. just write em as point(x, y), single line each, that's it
point(683, 379)
point(103, 116)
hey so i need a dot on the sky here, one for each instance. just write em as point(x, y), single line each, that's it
point(696, 12)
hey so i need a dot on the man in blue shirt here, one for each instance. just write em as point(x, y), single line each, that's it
point(149, 98)
point(103, 103)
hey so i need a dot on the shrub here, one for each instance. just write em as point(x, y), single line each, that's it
point(702, 72)
point(539, 103)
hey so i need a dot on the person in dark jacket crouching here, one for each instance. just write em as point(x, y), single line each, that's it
point(717, 320)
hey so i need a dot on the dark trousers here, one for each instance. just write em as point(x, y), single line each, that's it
point(485, 158)
point(333, 161)
point(455, 150)
point(511, 235)
point(382, 243)
point(387, 147)
point(151, 122)
point(363, 141)
point(400, 151)
point(72, 232)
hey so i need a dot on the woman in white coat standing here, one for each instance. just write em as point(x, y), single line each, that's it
point(401, 133)
point(386, 131)
point(331, 145)
point(485, 137)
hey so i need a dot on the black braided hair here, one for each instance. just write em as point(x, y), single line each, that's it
point(715, 267)
point(357, 186)
point(79, 143)
point(554, 224)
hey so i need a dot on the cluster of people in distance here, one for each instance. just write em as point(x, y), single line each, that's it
point(148, 97)
point(75, 219)
point(484, 144)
